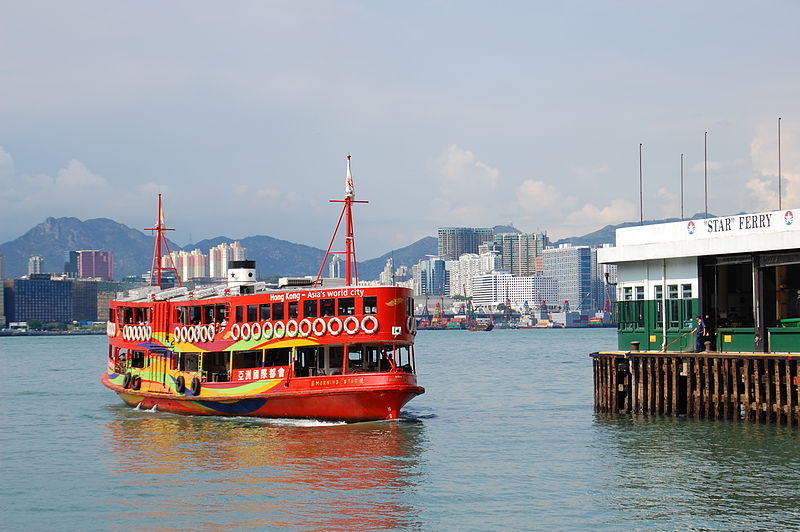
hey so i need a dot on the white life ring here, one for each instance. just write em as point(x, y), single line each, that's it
point(255, 331)
point(266, 331)
point(366, 328)
point(194, 334)
point(318, 327)
point(304, 329)
point(236, 330)
point(279, 329)
point(211, 332)
point(124, 332)
point(139, 332)
point(149, 332)
point(176, 334)
point(202, 334)
point(245, 331)
point(354, 328)
point(338, 329)
point(292, 328)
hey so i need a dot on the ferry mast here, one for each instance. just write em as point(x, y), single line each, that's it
point(156, 269)
point(351, 266)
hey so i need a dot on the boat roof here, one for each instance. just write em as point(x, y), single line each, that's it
point(724, 235)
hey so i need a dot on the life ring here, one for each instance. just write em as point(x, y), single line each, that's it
point(236, 330)
point(366, 328)
point(255, 331)
point(318, 327)
point(136, 382)
point(245, 331)
point(279, 329)
point(195, 386)
point(124, 333)
point(203, 331)
point(139, 333)
point(180, 384)
point(351, 320)
point(304, 329)
point(338, 329)
point(149, 333)
point(211, 332)
point(191, 333)
point(292, 328)
point(126, 382)
point(266, 331)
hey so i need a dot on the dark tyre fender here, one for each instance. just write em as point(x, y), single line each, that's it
point(180, 384)
point(195, 386)
point(136, 382)
point(126, 383)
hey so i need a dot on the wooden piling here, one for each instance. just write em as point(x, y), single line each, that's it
point(761, 388)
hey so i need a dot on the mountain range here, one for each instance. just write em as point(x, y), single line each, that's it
point(133, 249)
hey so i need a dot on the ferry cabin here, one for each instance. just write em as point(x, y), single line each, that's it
point(740, 273)
point(260, 335)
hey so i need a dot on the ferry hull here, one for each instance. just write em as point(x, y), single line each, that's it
point(363, 403)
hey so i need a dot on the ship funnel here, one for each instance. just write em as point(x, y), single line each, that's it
point(242, 273)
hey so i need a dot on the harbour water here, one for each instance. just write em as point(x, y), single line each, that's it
point(504, 439)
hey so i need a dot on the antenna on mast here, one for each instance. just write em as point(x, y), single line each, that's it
point(351, 267)
point(156, 268)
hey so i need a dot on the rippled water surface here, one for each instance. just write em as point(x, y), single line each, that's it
point(504, 439)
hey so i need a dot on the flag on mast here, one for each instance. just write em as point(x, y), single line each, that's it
point(349, 190)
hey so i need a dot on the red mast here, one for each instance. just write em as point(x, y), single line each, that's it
point(351, 267)
point(160, 237)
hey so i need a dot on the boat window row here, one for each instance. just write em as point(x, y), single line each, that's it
point(129, 315)
point(311, 308)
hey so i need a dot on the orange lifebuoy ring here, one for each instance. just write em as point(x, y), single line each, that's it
point(304, 329)
point(335, 331)
point(351, 320)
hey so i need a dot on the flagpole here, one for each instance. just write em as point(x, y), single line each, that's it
point(641, 203)
point(681, 187)
point(705, 168)
point(779, 163)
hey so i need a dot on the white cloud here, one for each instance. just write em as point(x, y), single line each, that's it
point(538, 198)
point(590, 217)
point(466, 188)
point(764, 160)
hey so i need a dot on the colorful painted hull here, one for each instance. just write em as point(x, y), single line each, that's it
point(351, 398)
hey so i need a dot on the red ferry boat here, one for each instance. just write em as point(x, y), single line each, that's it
point(310, 349)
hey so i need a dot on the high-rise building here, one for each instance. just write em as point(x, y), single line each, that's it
point(430, 277)
point(95, 264)
point(455, 241)
point(35, 264)
point(467, 267)
point(2, 268)
point(572, 267)
point(71, 264)
point(219, 256)
point(84, 300)
point(190, 264)
point(520, 250)
point(2, 303)
point(40, 297)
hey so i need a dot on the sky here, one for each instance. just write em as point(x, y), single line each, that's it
point(456, 113)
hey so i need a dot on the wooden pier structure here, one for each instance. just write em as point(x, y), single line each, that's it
point(756, 387)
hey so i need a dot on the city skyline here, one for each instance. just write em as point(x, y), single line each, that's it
point(456, 114)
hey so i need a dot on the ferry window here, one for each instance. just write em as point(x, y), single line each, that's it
point(264, 312)
point(208, 314)
point(674, 312)
point(686, 290)
point(355, 357)
point(247, 359)
point(688, 321)
point(239, 315)
point(672, 290)
point(371, 305)
point(335, 356)
point(277, 311)
point(292, 309)
point(409, 306)
point(222, 313)
point(659, 294)
point(137, 359)
point(373, 360)
point(181, 315)
point(627, 293)
point(216, 366)
point(326, 307)
point(277, 357)
point(309, 360)
point(639, 293)
point(189, 362)
point(252, 313)
point(347, 306)
point(310, 308)
point(195, 314)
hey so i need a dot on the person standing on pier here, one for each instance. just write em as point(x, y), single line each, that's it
point(701, 331)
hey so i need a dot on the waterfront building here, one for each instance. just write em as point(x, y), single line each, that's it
point(2, 266)
point(39, 297)
point(190, 264)
point(740, 273)
point(2, 303)
point(455, 241)
point(494, 288)
point(386, 277)
point(220, 255)
point(35, 264)
point(95, 264)
point(84, 300)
